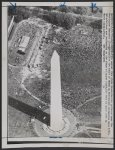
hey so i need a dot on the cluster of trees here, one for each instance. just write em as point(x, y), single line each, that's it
point(64, 20)
point(60, 16)
point(20, 13)
point(74, 9)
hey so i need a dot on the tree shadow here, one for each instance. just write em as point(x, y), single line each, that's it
point(29, 110)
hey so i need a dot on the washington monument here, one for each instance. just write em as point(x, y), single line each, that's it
point(56, 121)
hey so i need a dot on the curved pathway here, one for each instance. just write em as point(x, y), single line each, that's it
point(92, 99)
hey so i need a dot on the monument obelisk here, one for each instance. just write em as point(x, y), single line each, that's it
point(56, 119)
point(59, 124)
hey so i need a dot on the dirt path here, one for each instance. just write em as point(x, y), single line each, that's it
point(92, 99)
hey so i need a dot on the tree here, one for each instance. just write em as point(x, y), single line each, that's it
point(80, 10)
point(80, 19)
point(96, 24)
point(69, 21)
point(34, 12)
point(63, 9)
point(18, 18)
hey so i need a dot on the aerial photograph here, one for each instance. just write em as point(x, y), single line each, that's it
point(54, 71)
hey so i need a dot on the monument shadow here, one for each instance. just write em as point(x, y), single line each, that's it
point(29, 110)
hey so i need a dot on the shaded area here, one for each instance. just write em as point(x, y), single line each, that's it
point(29, 110)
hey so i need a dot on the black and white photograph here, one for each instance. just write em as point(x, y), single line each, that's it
point(54, 72)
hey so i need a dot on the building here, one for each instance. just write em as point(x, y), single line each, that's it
point(23, 44)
